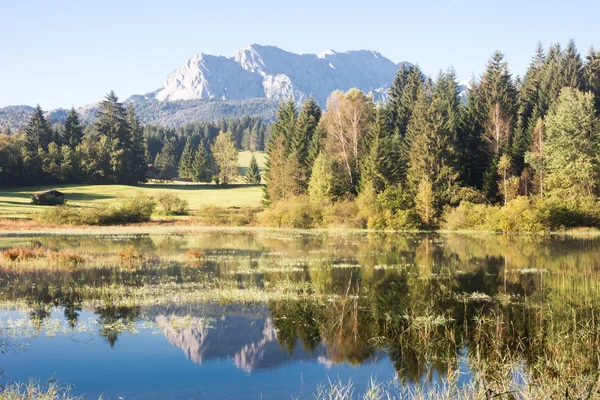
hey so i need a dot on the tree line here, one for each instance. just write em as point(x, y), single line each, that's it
point(406, 162)
point(116, 148)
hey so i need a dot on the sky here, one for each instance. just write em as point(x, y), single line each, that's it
point(71, 53)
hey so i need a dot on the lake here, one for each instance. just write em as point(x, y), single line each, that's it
point(261, 314)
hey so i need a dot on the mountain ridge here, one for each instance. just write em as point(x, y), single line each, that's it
point(251, 82)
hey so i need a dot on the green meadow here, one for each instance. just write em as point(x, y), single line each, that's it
point(16, 202)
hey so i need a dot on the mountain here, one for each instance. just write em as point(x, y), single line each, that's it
point(275, 74)
point(251, 82)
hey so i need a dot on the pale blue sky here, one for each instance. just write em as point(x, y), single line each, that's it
point(63, 53)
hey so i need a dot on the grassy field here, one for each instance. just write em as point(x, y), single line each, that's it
point(16, 202)
point(245, 157)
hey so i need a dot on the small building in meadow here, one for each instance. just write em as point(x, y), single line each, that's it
point(49, 198)
point(152, 172)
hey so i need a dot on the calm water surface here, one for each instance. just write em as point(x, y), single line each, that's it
point(276, 315)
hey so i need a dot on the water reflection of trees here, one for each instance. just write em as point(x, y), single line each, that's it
point(421, 299)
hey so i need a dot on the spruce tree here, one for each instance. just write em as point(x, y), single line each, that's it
point(137, 151)
point(307, 123)
point(202, 170)
point(187, 159)
point(591, 76)
point(73, 131)
point(253, 172)
point(112, 124)
point(39, 133)
point(166, 160)
point(112, 121)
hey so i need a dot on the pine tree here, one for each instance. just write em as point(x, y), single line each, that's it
point(112, 124)
point(285, 123)
point(202, 170)
point(274, 168)
point(496, 113)
point(253, 172)
point(137, 151)
point(112, 121)
point(73, 131)
point(591, 76)
point(381, 166)
point(433, 131)
point(571, 66)
point(38, 133)
point(305, 129)
point(403, 94)
point(187, 159)
point(166, 160)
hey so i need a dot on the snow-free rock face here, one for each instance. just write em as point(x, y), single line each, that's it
point(269, 72)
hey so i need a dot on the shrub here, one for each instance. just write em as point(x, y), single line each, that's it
point(296, 212)
point(401, 220)
point(471, 216)
point(135, 209)
point(212, 215)
point(171, 204)
point(343, 213)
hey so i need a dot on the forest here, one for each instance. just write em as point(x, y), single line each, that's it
point(116, 148)
point(518, 154)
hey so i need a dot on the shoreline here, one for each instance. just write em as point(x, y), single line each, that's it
point(181, 227)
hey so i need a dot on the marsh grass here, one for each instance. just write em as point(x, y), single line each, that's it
point(36, 391)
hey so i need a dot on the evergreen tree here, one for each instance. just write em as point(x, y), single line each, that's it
point(381, 167)
point(166, 160)
point(253, 172)
point(187, 159)
point(571, 66)
point(433, 131)
point(202, 170)
point(112, 121)
point(306, 126)
point(137, 151)
point(275, 188)
point(591, 76)
point(496, 114)
point(285, 123)
point(112, 124)
point(73, 131)
point(403, 95)
point(38, 133)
